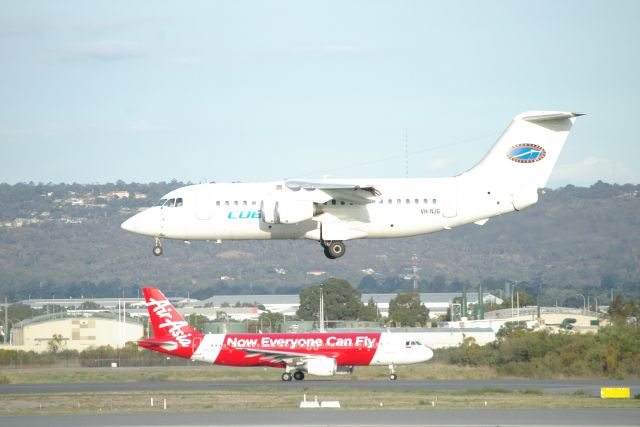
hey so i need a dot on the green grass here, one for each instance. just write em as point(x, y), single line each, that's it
point(278, 398)
point(430, 371)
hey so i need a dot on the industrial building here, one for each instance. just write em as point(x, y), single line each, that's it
point(74, 332)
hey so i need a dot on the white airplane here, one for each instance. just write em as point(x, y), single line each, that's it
point(509, 178)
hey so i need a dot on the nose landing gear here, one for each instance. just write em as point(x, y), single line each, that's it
point(157, 248)
point(392, 372)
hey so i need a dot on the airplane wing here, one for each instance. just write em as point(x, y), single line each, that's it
point(288, 357)
point(355, 193)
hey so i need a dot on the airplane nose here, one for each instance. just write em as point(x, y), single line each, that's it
point(130, 225)
point(428, 353)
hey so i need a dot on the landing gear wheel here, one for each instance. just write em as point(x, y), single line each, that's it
point(392, 372)
point(298, 375)
point(334, 249)
point(157, 250)
point(286, 376)
point(327, 253)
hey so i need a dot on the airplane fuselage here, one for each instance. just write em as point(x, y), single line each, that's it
point(404, 208)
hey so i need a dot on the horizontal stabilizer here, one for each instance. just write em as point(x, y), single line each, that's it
point(167, 345)
point(549, 116)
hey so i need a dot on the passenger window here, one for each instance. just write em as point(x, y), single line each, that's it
point(235, 203)
point(434, 201)
point(426, 201)
point(244, 203)
point(253, 203)
point(333, 202)
point(179, 202)
point(217, 202)
point(408, 201)
point(399, 201)
point(390, 201)
point(381, 201)
point(417, 201)
point(226, 203)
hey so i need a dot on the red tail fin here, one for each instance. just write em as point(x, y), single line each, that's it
point(171, 333)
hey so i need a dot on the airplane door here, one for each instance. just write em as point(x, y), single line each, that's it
point(450, 199)
point(203, 206)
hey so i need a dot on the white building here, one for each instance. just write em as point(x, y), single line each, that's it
point(74, 332)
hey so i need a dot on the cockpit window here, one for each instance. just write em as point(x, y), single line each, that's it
point(170, 203)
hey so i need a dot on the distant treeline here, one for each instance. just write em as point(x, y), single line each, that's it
point(614, 352)
point(575, 241)
point(104, 356)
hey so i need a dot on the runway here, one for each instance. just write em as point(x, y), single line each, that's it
point(547, 386)
point(335, 417)
point(391, 418)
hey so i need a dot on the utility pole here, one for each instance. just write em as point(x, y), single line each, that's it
point(414, 261)
point(6, 319)
point(480, 310)
point(321, 309)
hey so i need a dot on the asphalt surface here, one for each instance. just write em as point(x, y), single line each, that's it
point(324, 417)
point(547, 386)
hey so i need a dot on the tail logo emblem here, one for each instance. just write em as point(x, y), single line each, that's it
point(526, 153)
point(163, 309)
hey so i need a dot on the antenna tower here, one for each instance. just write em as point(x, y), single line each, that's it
point(406, 154)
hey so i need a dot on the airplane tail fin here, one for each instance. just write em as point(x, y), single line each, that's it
point(171, 333)
point(527, 151)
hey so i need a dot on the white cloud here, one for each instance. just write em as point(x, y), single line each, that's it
point(9, 134)
point(592, 169)
point(105, 50)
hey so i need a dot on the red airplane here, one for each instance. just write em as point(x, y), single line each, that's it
point(318, 353)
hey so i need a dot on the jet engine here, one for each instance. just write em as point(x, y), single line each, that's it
point(287, 211)
point(321, 366)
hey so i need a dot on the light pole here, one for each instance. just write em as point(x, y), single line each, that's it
point(514, 286)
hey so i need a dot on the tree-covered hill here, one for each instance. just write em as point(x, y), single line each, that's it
point(65, 240)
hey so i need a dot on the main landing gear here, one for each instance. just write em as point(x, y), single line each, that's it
point(157, 248)
point(297, 375)
point(392, 375)
point(333, 248)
